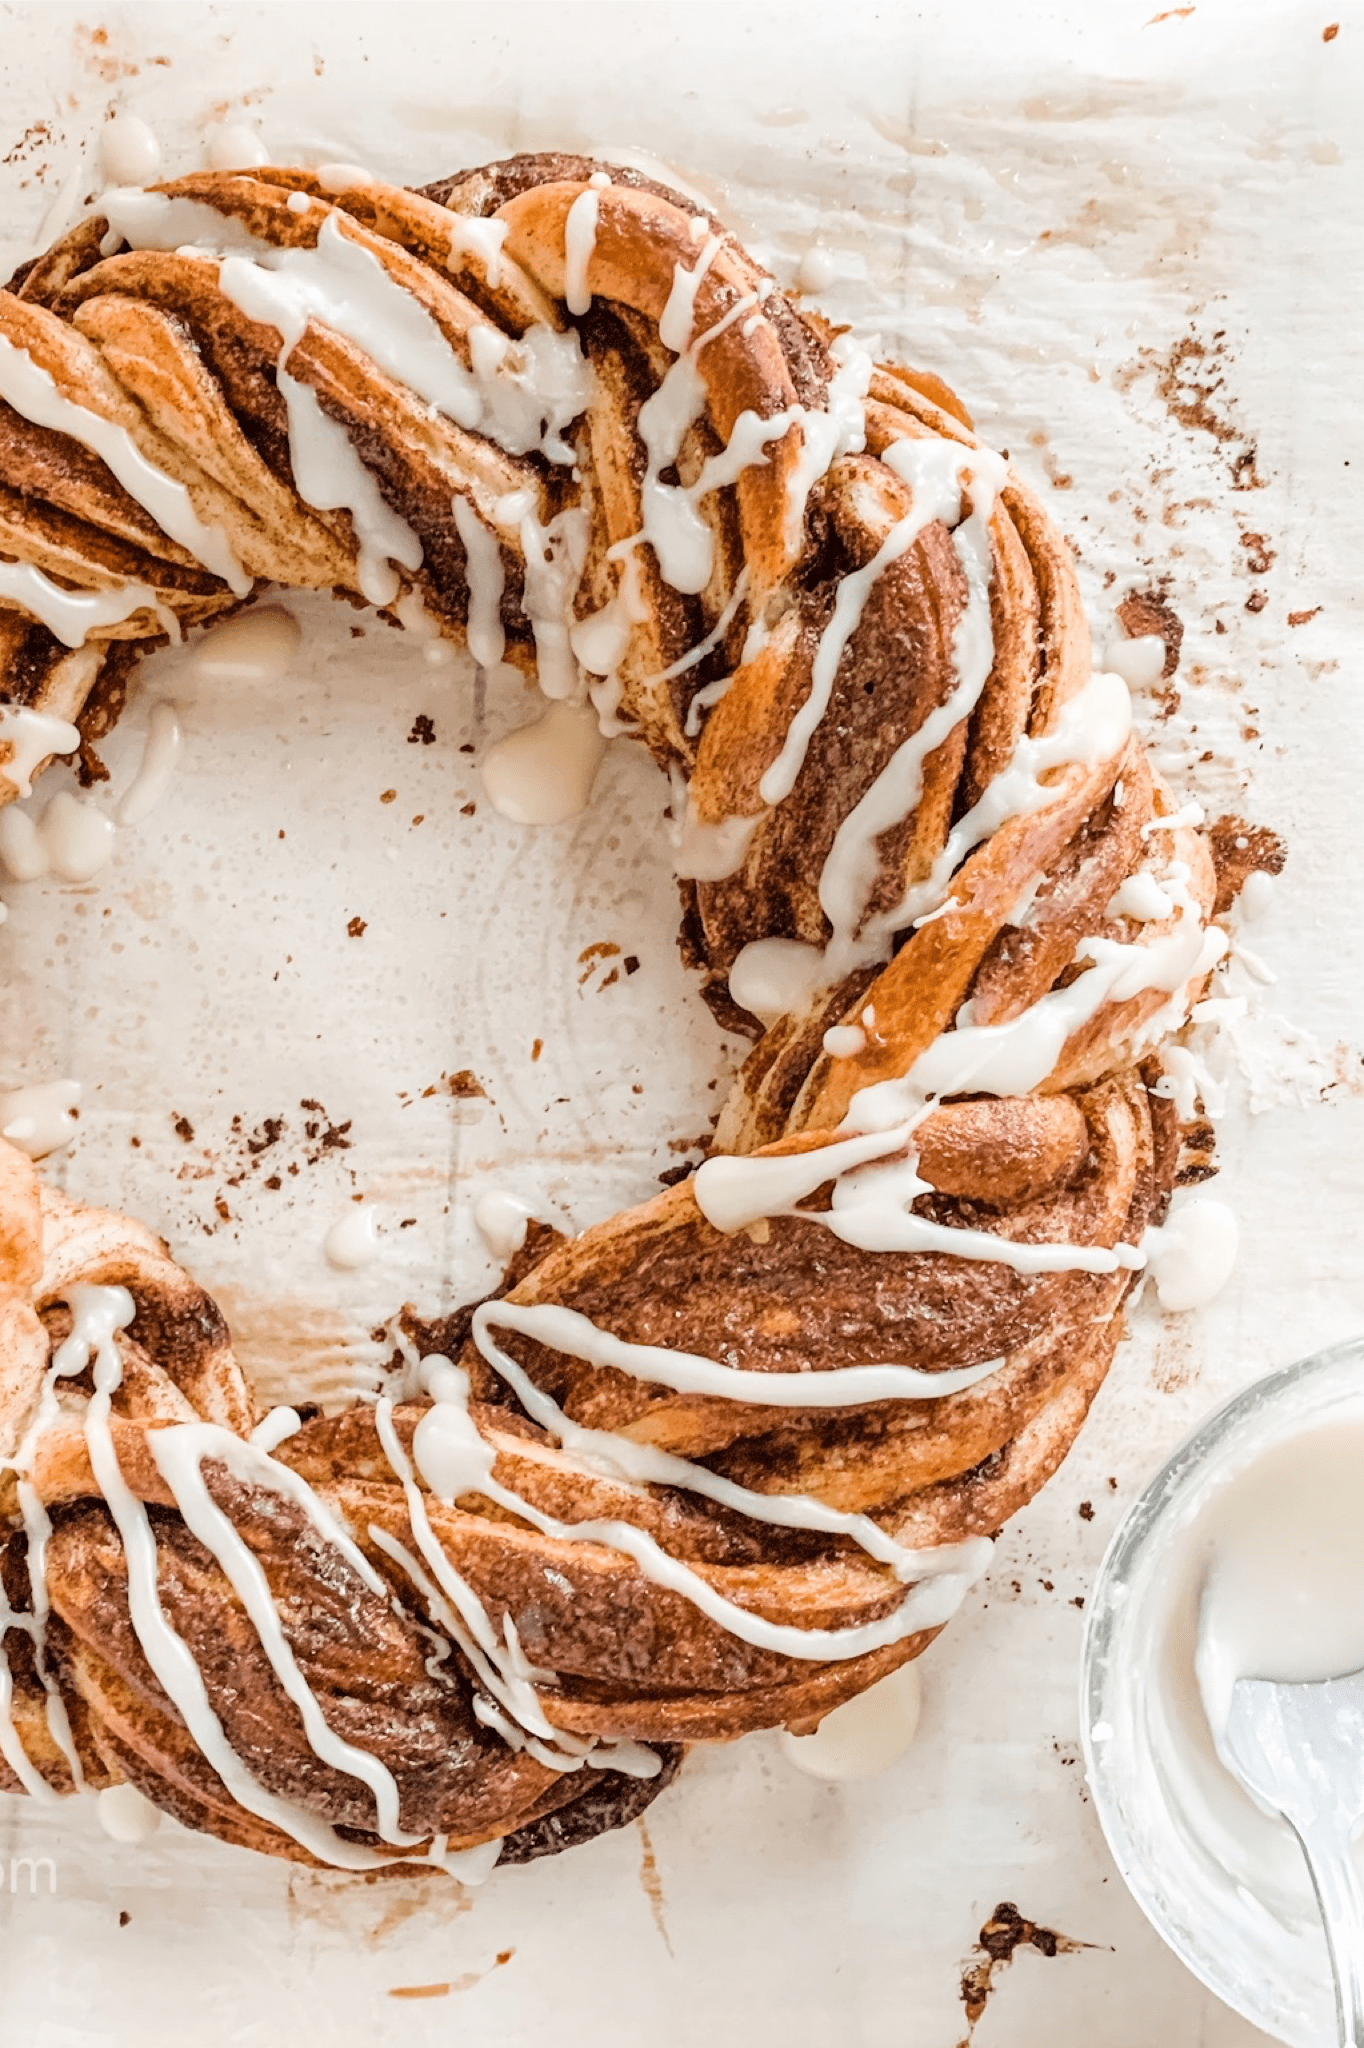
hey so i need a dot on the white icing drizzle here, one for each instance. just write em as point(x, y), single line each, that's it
point(33, 394)
point(72, 839)
point(942, 1575)
point(255, 647)
point(179, 1452)
point(1015, 1058)
point(329, 476)
point(542, 773)
point(234, 147)
point(875, 1179)
point(502, 1220)
point(1140, 662)
point(522, 394)
point(600, 641)
point(353, 1241)
point(471, 235)
point(554, 557)
point(580, 240)
point(129, 152)
point(774, 978)
point(934, 470)
point(127, 1815)
point(566, 1331)
point(865, 1735)
point(844, 1041)
point(342, 177)
point(839, 428)
point(816, 270)
point(31, 736)
point(160, 752)
point(679, 314)
point(1191, 1256)
point(486, 578)
point(461, 1462)
point(1092, 727)
point(72, 615)
point(710, 852)
point(40, 1118)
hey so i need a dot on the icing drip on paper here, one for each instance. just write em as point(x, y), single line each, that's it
point(352, 1241)
point(40, 1118)
point(865, 1735)
point(502, 1221)
point(160, 752)
point(255, 647)
point(71, 839)
point(233, 147)
point(542, 773)
point(129, 152)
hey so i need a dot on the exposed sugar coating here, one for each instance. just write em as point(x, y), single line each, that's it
point(724, 1461)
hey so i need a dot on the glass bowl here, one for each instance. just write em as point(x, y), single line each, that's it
point(1176, 1823)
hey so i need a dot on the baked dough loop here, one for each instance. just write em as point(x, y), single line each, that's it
point(556, 410)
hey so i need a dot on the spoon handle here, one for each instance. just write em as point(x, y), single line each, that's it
point(1335, 1881)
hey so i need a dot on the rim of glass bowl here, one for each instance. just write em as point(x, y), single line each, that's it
point(1211, 1442)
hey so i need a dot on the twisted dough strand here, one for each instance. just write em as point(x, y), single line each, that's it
point(776, 563)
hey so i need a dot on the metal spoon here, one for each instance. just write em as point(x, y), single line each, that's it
point(1299, 1752)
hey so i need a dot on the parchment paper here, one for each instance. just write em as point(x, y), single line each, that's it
point(1130, 238)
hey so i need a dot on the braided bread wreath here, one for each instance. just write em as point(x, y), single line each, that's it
point(722, 1462)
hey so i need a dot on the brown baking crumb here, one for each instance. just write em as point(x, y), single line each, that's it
point(1078, 1600)
point(1238, 849)
point(467, 810)
point(1219, 625)
point(465, 1084)
point(388, 796)
point(1004, 1933)
point(1257, 601)
point(467, 747)
point(184, 1129)
point(420, 818)
point(1330, 32)
point(270, 1133)
point(357, 632)
point(537, 1048)
point(136, 1144)
point(356, 928)
point(1086, 1511)
point(1260, 556)
point(221, 1206)
point(407, 1223)
point(274, 1183)
point(124, 1919)
point(631, 963)
point(423, 732)
point(1301, 618)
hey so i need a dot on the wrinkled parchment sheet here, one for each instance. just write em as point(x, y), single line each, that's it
point(1132, 243)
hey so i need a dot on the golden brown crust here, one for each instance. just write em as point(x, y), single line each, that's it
point(150, 341)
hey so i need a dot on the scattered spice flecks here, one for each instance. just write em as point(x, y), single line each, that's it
point(1191, 381)
point(1004, 1933)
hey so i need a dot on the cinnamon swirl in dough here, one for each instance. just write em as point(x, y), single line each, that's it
point(720, 1463)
